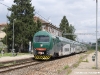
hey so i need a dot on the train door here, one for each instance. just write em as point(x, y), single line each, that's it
point(72, 48)
point(66, 49)
point(78, 49)
point(61, 49)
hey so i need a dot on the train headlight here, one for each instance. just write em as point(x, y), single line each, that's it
point(41, 45)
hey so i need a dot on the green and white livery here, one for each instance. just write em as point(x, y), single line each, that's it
point(46, 45)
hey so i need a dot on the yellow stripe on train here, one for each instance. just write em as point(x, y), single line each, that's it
point(44, 57)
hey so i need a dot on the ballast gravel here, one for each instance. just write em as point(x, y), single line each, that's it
point(54, 67)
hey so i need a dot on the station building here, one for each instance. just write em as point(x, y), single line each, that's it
point(49, 27)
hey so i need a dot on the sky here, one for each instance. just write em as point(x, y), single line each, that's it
point(80, 13)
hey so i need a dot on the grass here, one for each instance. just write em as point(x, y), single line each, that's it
point(89, 51)
point(85, 60)
point(77, 64)
point(59, 71)
point(8, 64)
point(69, 71)
point(1, 64)
point(10, 54)
point(94, 68)
point(66, 67)
point(14, 62)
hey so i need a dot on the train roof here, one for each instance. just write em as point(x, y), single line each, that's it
point(65, 39)
point(60, 38)
point(42, 33)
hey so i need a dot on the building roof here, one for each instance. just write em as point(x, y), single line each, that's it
point(3, 24)
point(41, 20)
point(45, 22)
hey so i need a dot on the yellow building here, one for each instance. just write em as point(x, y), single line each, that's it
point(2, 34)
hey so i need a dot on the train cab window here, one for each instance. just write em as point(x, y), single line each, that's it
point(41, 38)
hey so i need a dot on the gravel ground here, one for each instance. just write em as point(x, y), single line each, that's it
point(55, 67)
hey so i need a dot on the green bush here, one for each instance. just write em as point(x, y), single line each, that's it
point(0, 49)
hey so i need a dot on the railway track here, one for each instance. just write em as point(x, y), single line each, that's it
point(19, 66)
point(38, 67)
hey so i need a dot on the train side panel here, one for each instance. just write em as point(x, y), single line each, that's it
point(54, 46)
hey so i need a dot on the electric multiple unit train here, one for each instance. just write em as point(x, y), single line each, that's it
point(46, 46)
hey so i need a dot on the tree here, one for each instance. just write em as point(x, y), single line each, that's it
point(66, 28)
point(38, 25)
point(24, 25)
point(98, 44)
point(72, 31)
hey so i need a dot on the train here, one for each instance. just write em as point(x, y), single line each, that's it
point(46, 45)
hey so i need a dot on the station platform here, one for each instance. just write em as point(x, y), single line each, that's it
point(88, 67)
point(13, 58)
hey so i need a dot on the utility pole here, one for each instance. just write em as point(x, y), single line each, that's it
point(13, 50)
point(96, 34)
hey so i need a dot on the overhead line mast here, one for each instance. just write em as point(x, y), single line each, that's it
point(96, 34)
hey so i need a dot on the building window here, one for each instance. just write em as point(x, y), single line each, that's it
point(43, 27)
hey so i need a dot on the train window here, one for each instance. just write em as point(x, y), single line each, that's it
point(66, 49)
point(41, 38)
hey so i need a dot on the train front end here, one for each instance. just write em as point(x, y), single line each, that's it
point(42, 45)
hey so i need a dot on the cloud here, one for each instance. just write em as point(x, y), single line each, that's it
point(80, 13)
point(4, 11)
